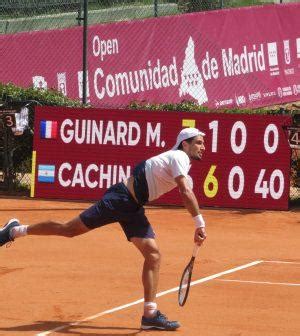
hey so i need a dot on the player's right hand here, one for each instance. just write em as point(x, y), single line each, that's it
point(200, 236)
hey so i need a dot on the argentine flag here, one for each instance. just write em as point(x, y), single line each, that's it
point(46, 173)
point(48, 129)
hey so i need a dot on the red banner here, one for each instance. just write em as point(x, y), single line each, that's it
point(79, 153)
point(246, 57)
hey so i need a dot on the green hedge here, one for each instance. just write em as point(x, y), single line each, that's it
point(50, 97)
point(190, 106)
point(55, 98)
point(14, 94)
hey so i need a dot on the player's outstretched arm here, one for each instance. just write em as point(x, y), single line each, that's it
point(191, 204)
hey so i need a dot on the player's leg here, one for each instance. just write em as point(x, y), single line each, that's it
point(70, 229)
point(14, 229)
point(99, 214)
point(150, 251)
point(153, 318)
point(93, 217)
point(138, 230)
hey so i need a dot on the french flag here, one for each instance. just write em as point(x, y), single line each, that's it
point(48, 129)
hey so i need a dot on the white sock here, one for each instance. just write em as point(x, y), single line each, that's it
point(18, 231)
point(150, 309)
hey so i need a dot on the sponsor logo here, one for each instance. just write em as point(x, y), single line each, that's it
point(296, 89)
point(191, 79)
point(284, 91)
point(272, 54)
point(48, 129)
point(273, 58)
point(39, 82)
point(240, 100)
point(254, 96)
point(80, 84)
point(269, 94)
point(287, 53)
point(225, 102)
point(62, 83)
point(298, 47)
point(290, 71)
point(46, 173)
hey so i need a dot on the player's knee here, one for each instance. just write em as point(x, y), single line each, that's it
point(72, 229)
point(154, 258)
point(69, 232)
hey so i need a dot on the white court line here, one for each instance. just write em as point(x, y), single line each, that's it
point(261, 282)
point(282, 262)
point(175, 289)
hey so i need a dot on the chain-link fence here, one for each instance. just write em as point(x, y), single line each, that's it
point(295, 176)
point(16, 140)
point(28, 15)
point(294, 139)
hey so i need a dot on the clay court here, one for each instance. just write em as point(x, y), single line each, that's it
point(246, 276)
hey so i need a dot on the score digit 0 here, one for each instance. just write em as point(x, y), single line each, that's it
point(211, 184)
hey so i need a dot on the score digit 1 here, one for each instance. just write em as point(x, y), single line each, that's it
point(211, 184)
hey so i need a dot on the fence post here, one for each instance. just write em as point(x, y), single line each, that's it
point(155, 8)
point(84, 55)
point(7, 164)
point(5, 161)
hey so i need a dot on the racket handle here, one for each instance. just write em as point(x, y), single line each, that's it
point(195, 250)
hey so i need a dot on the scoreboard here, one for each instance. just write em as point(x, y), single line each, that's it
point(79, 153)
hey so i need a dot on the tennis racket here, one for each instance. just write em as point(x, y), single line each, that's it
point(186, 277)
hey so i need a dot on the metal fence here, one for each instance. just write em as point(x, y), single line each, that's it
point(28, 15)
point(16, 142)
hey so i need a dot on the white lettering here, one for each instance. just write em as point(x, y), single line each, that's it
point(102, 48)
point(125, 83)
point(243, 63)
point(78, 176)
point(62, 182)
point(93, 176)
point(87, 176)
point(82, 131)
point(68, 136)
point(153, 135)
point(134, 128)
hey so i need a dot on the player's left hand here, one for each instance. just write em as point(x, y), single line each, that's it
point(200, 236)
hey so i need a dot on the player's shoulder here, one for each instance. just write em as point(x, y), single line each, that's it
point(176, 154)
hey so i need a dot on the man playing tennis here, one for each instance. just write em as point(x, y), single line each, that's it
point(123, 203)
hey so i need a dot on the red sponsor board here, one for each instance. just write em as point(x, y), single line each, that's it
point(81, 152)
point(246, 57)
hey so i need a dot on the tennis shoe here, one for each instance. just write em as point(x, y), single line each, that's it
point(5, 236)
point(159, 321)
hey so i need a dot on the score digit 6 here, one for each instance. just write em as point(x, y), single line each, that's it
point(211, 184)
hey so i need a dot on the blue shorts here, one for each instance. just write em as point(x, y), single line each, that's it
point(118, 205)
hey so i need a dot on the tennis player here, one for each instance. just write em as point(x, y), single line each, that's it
point(123, 203)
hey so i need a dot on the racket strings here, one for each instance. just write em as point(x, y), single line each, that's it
point(184, 285)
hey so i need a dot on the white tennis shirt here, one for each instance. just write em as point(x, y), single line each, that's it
point(161, 171)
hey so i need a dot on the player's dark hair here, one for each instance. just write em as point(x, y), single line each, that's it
point(189, 140)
